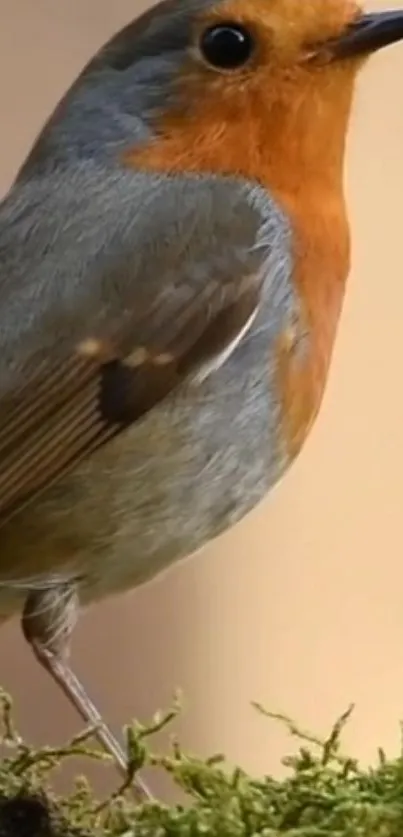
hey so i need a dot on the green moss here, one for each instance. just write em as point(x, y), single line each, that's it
point(324, 793)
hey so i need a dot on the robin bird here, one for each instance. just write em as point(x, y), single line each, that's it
point(173, 260)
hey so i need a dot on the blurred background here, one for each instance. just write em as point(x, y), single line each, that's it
point(301, 606)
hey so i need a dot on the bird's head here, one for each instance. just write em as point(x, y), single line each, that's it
point(235, 84)
point(258, 88)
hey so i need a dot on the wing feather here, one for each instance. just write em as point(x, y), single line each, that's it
point(68, 412)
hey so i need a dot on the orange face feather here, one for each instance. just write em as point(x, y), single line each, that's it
point(283, 123)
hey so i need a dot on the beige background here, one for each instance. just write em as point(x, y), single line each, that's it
point(301, 606)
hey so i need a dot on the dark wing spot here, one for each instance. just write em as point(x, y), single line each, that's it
point(126, 393)
point(115, 385)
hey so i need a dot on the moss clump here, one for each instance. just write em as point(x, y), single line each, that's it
point(325, 793)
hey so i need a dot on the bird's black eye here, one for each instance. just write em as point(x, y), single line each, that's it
point(226, 46)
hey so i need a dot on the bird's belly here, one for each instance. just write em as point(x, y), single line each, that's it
point(189, 470)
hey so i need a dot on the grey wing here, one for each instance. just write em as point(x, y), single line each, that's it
point(90, 343)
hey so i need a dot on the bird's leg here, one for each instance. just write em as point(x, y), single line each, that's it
point(48, 620)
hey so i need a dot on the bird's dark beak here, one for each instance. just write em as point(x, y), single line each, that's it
point(366, 34)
